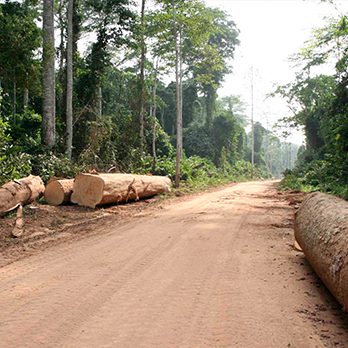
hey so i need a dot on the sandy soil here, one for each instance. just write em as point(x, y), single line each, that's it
point(213, 270)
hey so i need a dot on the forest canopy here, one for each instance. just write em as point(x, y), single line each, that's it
point(115, 85)
point(319, 105)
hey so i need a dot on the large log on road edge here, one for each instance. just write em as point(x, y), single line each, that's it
point(20, 192)
point(58, 192)
point(321, 229)
point(91, 190)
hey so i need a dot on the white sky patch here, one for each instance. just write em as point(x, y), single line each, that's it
point(271, 32)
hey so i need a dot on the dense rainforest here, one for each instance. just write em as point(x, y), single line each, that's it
point(319, 105)
point(123, 86)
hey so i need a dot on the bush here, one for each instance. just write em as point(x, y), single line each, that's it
point(49, 165)
point(15, 166)
point(291, 182)
point(26, 132)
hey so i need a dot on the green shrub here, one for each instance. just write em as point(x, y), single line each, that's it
point(15, 166)
point(49, 165)
point(291, 182)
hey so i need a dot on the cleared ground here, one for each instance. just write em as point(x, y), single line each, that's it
point(215, 270)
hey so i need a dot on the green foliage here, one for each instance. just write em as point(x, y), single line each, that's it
point(49, 165)
point(107, 75)
point(4, 138)
point(20, 37)
point(320, 106)
point(197, 142)
point(26, 132)
point(15, 166)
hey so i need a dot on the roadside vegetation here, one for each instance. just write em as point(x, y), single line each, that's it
point(131, 90)
point(319, 105)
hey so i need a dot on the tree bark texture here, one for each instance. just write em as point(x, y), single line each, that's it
point(58, 192)
point(91, 190)
point(20, 192)
point(69, 87)
point(321, 229)
point(154, 116)
point(49, 86)
point(142, 81)
point(25, 98)
point(178, 79)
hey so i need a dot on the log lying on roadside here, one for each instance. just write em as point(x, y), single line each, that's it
point(20, 192)
point(91, 190)
point(58, 192)
point(321, 229)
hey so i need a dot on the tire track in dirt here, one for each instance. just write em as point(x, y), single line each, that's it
point(212, 271)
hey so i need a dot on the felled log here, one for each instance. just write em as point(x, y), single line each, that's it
point(91, 190)
point(58, 192)
point(20, 192)
point(321, 229)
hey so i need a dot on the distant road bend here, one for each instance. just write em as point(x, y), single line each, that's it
point(214, 270)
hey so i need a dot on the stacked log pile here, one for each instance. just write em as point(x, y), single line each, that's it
point(321, 229)
point(89, 190)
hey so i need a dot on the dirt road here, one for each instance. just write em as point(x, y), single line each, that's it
point(216, 270)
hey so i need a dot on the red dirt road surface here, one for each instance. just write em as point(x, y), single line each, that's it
point(214, 270)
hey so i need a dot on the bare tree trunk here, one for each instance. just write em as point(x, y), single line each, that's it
point(49, 88)
point(142, 80)
point(14, 101)
point(69, 84)
point(25, 98)
point(99, 101)
point(62, 56)
point(178, 78)
point(154, 116)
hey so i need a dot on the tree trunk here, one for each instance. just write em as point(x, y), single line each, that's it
point(62, 56)
point(25, 98)
point(142, 81)
point(178, 78)
point(210, 105)
point(69, 85)
point(154, 117)
point(99, 101)
point(20, 192)
point(49, 88)
point(321, 229)
point(91, 190)
point(58, 192)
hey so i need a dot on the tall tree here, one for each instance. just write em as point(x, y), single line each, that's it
point(49, 86)
point(210, 60)
point(142, 78)
point(69, 88)
point(178, 81)
point(19, 39)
